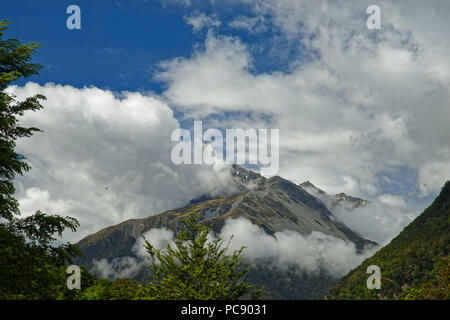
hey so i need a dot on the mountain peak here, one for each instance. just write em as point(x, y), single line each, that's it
point(308, 185)
point(243, 176)
point(354, 200)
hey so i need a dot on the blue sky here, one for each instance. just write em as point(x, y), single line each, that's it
point(121, 43)
point(359, 111)
point(116, 48)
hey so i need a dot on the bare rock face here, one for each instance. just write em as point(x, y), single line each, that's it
point(331, 201)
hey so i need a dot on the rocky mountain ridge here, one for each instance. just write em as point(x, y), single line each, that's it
point(274, 204)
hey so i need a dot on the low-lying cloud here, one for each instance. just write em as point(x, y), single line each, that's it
point(123, 267)
point(285, 250)
point(309, 253)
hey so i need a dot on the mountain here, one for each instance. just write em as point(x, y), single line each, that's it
point(274, 204)
point(415, 264)
point(332, 201)
point(354, 201)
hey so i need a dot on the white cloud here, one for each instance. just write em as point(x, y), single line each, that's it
point(431, 176)
point(371, 101)
point(393, 201)
point(379, 220)
point(200, 20)
point(310, 253)
point(105, 158)
point(307, 253)
point(123, 267)
point(127, 266)
point(37, 199)
point(250, 24)
point(159, 238)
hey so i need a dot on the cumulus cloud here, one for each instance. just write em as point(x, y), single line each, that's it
point(104, 158)
point(356, 107)
point(355, 104)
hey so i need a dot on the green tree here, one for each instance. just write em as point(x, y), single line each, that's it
point(97, 291)
point(14, 63)
point(123, 289)
point(197, 268)
point(29, 262)
point(438, 287)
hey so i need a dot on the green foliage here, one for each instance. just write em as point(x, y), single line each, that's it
point(123, 289)
point(438, 287)
point(14, 63)
point(197, 268)
point(15, 58)
point(29, 262)
point(96, 289)
point(408, 264)
point(29, 268)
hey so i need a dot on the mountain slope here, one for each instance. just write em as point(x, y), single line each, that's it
point(274, 204)
point(408, 261)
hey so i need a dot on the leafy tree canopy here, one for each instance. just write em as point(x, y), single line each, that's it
point(28, 257)
point(196, 267)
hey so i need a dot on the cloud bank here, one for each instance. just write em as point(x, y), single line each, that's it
point(379, 220)
point(286, 250)
point(308, 253)
point(357, 107)
point(104, 158)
